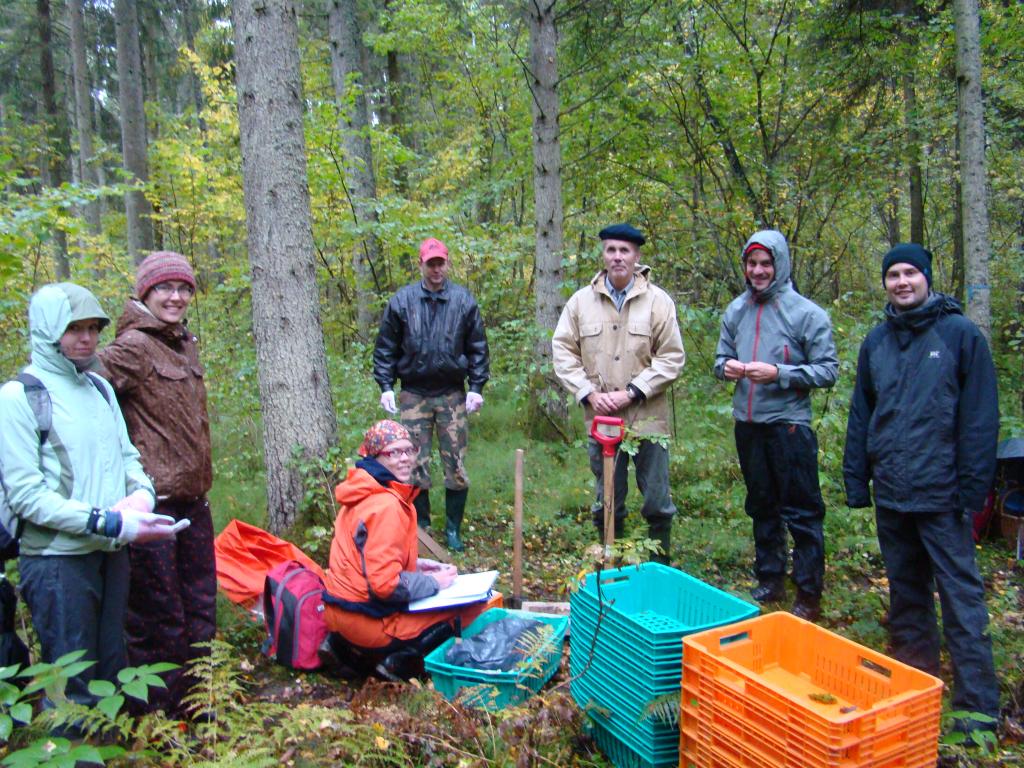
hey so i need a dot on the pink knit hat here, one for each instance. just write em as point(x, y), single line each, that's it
point(381, 435)
point(159, 267)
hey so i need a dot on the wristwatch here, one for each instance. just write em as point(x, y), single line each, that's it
point(634, 392)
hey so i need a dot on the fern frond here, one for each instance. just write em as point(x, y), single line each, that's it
point(663, 709)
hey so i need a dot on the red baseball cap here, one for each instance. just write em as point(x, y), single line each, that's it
point(432, 248)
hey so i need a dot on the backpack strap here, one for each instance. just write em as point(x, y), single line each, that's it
point(101, 385)
point(39, 401)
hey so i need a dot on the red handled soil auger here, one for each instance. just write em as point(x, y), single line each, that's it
point(601, 430)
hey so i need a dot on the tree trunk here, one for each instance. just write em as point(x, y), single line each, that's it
point(295, 393)
point(956, 282)
point(133, 129)
point(83, 104)
point(51, 170)
point(354, 126)
point(913, 159)
point(547, 191)
point(971, 122)
point(396, 114)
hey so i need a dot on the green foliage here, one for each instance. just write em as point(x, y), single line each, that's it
point(969, 729)
point(106, 718)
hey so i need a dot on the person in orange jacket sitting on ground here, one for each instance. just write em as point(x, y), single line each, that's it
point(374, 569)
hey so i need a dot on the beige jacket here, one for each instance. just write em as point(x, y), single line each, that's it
point(598, 349)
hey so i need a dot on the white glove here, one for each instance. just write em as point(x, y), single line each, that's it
point(387, 402)
point(140, 501)
point(141, 527)
point(473, 402)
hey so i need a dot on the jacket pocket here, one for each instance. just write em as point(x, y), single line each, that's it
point(171, 372)
point(639, 330)
point(590, 341)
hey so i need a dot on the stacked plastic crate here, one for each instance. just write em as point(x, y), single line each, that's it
point(496, 689)
point(625, 655)
point(777, 691)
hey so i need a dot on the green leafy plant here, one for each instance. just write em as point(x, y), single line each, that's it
point(106, 717)
point(961, 728)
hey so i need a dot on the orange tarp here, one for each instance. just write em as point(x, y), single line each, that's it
point(244, 555)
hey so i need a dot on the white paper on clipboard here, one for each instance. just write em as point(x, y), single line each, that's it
point(468, 588)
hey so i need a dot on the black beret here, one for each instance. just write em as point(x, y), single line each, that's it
point(909, 253)
point(626, 232)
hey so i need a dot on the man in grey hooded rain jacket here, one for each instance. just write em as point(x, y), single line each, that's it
point(78, 495)
point(777, 346)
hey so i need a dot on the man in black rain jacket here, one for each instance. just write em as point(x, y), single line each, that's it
point(923, 426)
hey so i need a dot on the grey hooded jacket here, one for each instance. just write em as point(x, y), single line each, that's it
point(781, 327)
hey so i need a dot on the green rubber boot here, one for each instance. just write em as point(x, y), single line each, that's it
point(422, 504)
point(454, 510)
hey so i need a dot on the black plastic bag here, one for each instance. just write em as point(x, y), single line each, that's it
point(498, 646)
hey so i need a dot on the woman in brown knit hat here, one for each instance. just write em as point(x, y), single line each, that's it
point(153, 364)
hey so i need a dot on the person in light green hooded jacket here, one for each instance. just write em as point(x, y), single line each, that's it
point(79, 495)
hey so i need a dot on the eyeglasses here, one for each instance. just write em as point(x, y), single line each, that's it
point(185, 290)
point(395, 453)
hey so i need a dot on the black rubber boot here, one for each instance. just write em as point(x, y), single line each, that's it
point(807, 606)
point(454, 510)
point(400, 666)
point(769, 592)
point(422, 504)
point(432, 637)
point(661, 531)
point(407, 663)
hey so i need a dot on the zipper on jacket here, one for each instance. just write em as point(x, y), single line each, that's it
point(753, 359)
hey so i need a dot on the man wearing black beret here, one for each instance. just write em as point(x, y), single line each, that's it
point(922, 430)
point(617, 348)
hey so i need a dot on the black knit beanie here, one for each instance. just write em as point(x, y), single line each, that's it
point(909, 253)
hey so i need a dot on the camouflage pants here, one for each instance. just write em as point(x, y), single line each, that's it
point(447, 413)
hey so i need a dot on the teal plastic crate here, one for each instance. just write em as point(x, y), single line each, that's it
point(495, 689)
point(634, 631)
point(625, 741)
point(626, 710)
point(622, 755)
point(658, 604)
point(655, 672)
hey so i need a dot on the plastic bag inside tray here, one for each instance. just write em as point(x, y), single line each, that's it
point(501, 645)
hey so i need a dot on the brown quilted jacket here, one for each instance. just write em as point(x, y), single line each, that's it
point(154, 368)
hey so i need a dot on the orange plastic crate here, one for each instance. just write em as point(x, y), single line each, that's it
point(747, 701)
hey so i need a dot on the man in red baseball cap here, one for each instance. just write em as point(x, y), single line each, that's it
point(432, 339)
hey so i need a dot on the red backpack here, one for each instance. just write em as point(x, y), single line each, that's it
point(293, 609)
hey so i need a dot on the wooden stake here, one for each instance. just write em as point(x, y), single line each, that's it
point(517, 536)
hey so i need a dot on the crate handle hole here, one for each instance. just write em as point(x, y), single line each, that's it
point(874, 666)
point(730, 639)
point(615, 579)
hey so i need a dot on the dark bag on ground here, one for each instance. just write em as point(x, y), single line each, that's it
point(12, 649)
point(501, 645)
point(293, 609)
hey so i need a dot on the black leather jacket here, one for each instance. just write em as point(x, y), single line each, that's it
point(432, 341)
